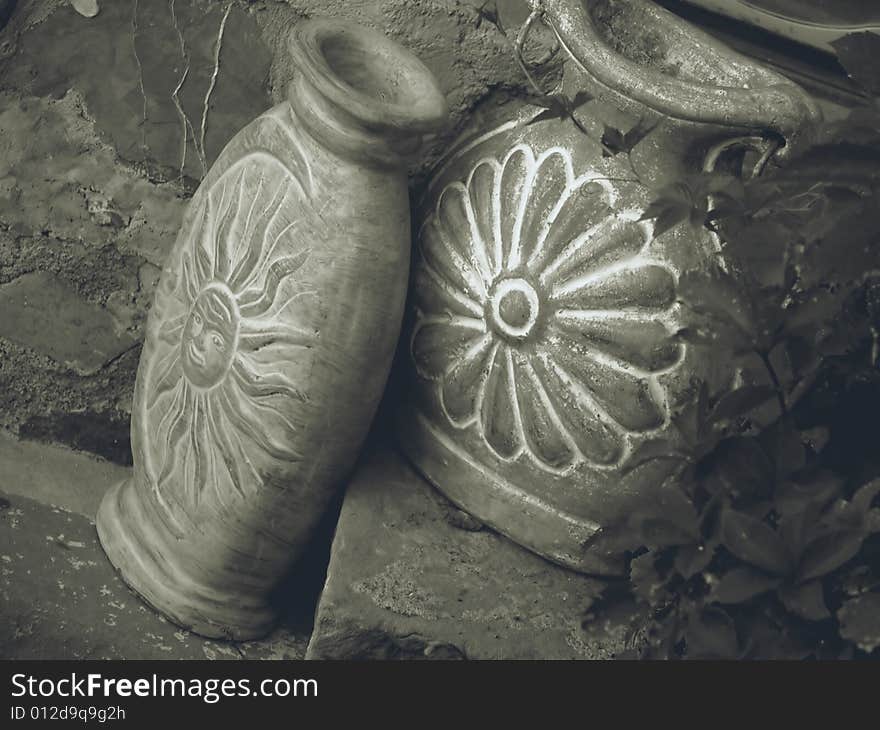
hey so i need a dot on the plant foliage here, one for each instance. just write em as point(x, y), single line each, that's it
point(764, 539)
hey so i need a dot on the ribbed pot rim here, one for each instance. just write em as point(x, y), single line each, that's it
point(417, 105)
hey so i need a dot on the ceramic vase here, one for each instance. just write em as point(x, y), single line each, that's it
point(541, 348)
point(271, 335)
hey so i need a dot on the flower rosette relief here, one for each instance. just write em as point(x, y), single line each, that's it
point(217, 384)
point(542, 318)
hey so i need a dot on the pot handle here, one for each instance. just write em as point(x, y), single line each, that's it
point(774, 104)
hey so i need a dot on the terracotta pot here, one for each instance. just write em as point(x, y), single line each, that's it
point(541, 348)
point(271, 335)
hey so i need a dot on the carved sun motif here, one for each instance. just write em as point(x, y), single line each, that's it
point(216, 391)
point(541, 317)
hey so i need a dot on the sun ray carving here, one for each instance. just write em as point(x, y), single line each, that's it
point(212, 410)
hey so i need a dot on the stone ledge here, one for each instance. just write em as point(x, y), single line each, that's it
point(61, 599)
point(41, 312)
point(411, 576)
point(56, 476)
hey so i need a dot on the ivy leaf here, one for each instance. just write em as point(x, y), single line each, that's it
point(759, 245)
point(741, 584)
point(671, 502)
point(687, 199)
point(615, 142)
point(690, 421)
point(693, 559)
point(674, 204)
point(860, 579)
point(740, 467)
point(658, 533)
point(842, 243)
point(806, 601)
point(794, 526)
point(695, 336)
point(783, 443)
point(858, 54)
point(865, 495)
point(724, 305)
point(647, 582)
point(800, 506)
point(666, 519)
point(754, 542)
point(828, 552)
point(653, 450)
point(711, 634)
point(740, 402)
point(559, 106)
point(860, 621)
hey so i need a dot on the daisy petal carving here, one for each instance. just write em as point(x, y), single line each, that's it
point(510, 187)
point(554, 172)
point(448, 263)
point(614, 242)
point(588, 427)
point(481, 188)
point(582, 210)
point(462, 385)
point(458, 227)
point(441, 341)
point(433, 294)
point(649, 287)
point(542, 434)
point(643, 343)
point(625, 397)
point(497, 414)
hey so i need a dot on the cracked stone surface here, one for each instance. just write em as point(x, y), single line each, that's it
point(411, 576)
point(148, 70)
point(41, 312)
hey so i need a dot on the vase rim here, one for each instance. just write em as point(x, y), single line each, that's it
point(375, 80)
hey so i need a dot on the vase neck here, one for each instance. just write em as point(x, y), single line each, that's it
point(361, 95)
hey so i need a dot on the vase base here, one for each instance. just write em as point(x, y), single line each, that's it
point(144, 557)
point(520, 516)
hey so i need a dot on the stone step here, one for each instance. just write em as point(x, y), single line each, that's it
point(55, 475)
point(60, 598)
point(411, 576)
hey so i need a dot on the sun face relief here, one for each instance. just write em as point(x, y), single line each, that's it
point(210, 336)
point(220, 374)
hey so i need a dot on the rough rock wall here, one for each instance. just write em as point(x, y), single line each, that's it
point(108, 123)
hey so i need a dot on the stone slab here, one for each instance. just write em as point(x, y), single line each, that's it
point(56, 476)
point(61, 599)
point(168, 83)
point(39, 311)
point(411, 576)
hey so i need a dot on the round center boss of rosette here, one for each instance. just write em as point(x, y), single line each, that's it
point(513, 308)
